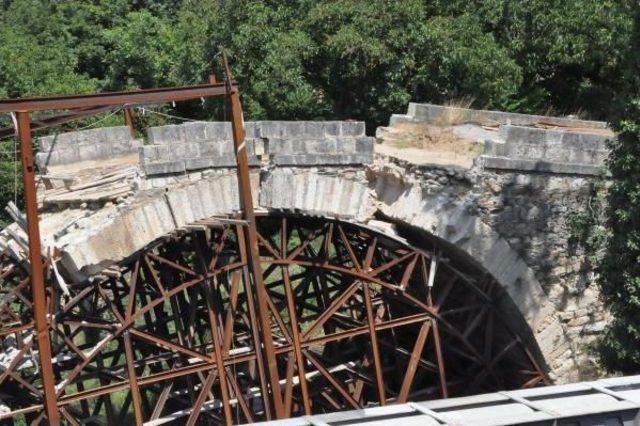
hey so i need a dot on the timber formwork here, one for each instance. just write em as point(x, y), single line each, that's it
point(242, 319)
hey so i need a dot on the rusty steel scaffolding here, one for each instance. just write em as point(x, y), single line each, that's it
point(239, 319)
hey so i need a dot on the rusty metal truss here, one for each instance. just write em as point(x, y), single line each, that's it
point(173, 334)
point(240, 319)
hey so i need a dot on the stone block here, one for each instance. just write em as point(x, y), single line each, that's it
point(163, 135)
point(438, 113)
point(218, 130)
point(331, 128)
point(194, 131)
point(209, 148)
point(199, 163)
point(225, 147)
point(44, 159)
point(166, 167)
point(151, 153)
point(501, 163)
point(364, 145)
point(313, 129)
point(352, 128)
point(569, 140)
point(271, 129)
point(113, 134)
point(278, 146)
point(320, 159)
point(321, 146)
point(117, 148)
point(85, 153)
point(251, 129)
point(224, 161)
point(184, 150)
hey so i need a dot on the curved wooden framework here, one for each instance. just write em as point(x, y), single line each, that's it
point(356, 319)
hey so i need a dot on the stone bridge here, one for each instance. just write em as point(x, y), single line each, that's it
point(494, 190)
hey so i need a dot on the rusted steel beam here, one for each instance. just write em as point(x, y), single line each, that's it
point(413, 362)
point(128, 120)
point(128, 98)
point(440, 359)
point(295, 334)
point(133, 380)
point(253, 253)
point(36, 268)
point(377, 364)
point(56, 120)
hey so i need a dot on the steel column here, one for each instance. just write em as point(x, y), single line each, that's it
point(253, 253)
point(37, 270)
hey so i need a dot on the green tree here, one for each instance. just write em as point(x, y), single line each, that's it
point(620, 267)
point(376, 56)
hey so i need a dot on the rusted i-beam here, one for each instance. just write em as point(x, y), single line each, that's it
point(253, 252)
point(37, 269)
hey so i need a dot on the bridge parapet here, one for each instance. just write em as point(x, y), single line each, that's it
point(501, 140)
point(85, 145)
point(201, 145)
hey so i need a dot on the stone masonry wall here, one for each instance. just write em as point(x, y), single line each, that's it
point(86, 145)
point(533, 212)
point(535, 175)
point(201, 145)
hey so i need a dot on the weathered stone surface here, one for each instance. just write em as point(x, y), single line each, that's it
point(434, 113)
point(305, 143)
point(502, 163)
point(86, 145)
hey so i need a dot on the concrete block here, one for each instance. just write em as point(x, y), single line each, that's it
point(166, 167)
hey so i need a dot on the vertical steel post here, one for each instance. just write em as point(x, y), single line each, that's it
point(128, 120)
point(253, 253)
point(37, 269)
